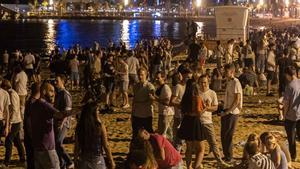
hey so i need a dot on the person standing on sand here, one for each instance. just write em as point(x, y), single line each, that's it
point(178, 88)
point(5, 61)
point(15, 121)
point(63, 102)
point(142, 108)
point(233, 105)
point(41, 117)
point(133, 66)
point(211, 104)
point(291, 109)
point(4, 112)
point(28, 62)
point(166, 113)
point(35, 95)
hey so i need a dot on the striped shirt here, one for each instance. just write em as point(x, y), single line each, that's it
point(260, 161)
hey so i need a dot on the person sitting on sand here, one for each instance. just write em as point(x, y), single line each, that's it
point(257, 160)
point(277, 155)
point(245, 159)
point(263, 138)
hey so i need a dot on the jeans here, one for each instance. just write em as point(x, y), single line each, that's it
point(29, 151)
point(292, 129)
point(228, 125)
point(165, 124)
point(14, 137)
point(22, 107)
point(210, 136)
point(260, 63)
point(63, 156)
point(92, 163)
point(47, 159)
point(139, 122)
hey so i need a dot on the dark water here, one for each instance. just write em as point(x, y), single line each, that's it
point(43, 35)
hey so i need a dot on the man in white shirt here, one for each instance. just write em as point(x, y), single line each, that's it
point(15, 122)
point(133, 66)
point(20, 86)
point(233, 105)
point(4, 112)
point(28, 63)
point(142, 106)
point(166, 113)
point(211, 104)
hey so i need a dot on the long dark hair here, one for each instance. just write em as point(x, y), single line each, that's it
point(190, 91)
point(88, 128)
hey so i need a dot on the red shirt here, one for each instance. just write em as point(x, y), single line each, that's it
point(172, 156)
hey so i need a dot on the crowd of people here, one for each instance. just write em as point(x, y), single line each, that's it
point(184, 94)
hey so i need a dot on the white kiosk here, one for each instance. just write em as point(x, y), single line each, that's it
point(231, 22)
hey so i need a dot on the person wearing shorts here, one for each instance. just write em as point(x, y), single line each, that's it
point(124, 82)
point(271, 67)
point(109, 80)
point(73, 65)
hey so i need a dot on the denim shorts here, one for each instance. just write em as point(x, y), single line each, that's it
point(97, 162)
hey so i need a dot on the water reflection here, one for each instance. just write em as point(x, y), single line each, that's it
point(134, 32)
point(50, 35)
point(66, 35)
point(43, 35)
point(156, 29)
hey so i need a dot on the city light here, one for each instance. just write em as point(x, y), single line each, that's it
point(126, 2)
point(261, 3)
point(287, 3)
point(198, 3)
point(50, 2)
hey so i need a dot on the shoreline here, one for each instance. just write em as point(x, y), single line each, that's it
point(267, 22)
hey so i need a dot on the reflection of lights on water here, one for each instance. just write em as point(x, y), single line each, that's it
point(50, 35)
point(125, 32)
point(51, 2)
point(156, 28)
point(176, 27)
point(198, 3)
